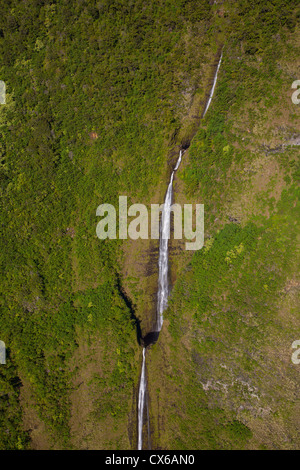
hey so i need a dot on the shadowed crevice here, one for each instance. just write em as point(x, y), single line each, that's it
point(150, 338)
point(133, 317)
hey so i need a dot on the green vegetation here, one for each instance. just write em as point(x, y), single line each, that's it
point(12, 435)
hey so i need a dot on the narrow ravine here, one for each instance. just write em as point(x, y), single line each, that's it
point(162, 295)
point(163, 277)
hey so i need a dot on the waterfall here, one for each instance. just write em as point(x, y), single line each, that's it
point(163, 260)
point(142, 393)
point(163, 271)
point(213, 87)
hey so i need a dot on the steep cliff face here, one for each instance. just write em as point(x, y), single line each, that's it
point(99, 99)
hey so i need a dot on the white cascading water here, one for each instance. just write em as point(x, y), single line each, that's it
point(214, 85)
point(163, 262)
point(163, 270)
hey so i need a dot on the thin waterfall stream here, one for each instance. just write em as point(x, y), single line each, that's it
point(163, 273)
point(141, 403)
